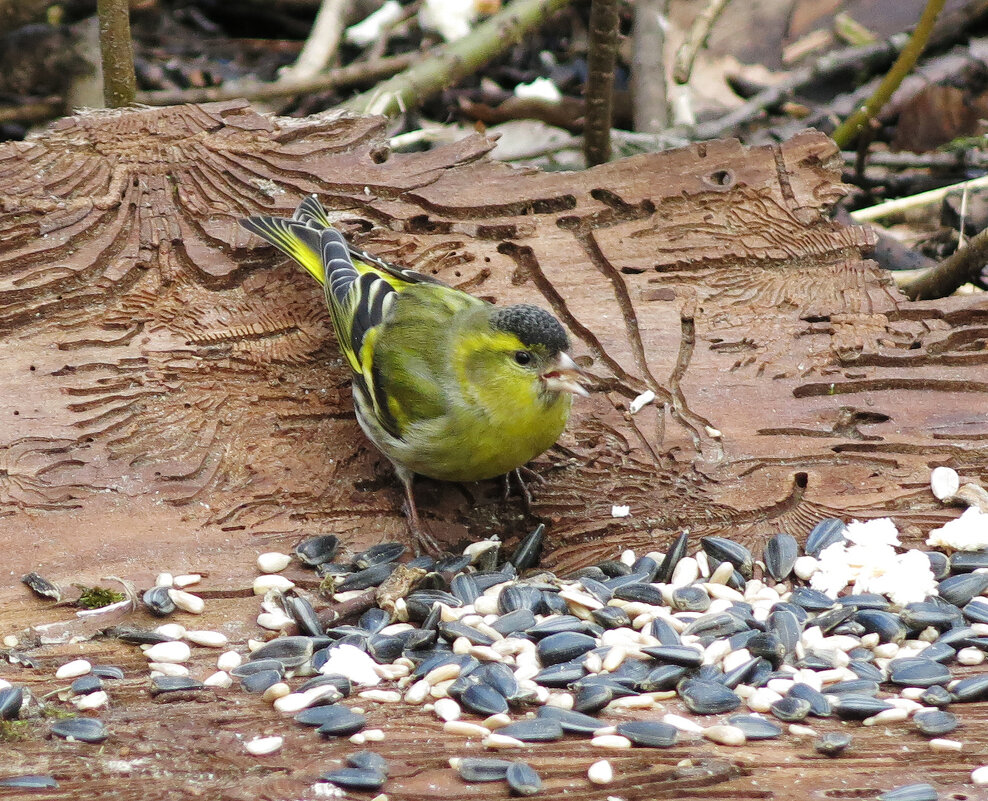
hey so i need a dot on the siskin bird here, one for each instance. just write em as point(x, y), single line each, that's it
point(446, 385)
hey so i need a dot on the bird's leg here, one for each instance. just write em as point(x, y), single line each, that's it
point(423, 539)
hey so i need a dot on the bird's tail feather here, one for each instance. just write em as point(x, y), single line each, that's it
point(293, 238)
point(311, 212)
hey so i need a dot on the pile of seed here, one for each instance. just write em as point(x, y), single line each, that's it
point(502, 651)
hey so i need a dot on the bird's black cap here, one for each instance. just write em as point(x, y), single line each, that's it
point(532, 325)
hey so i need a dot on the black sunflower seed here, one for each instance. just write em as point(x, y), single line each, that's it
point(536, 730)
point(484, 700)
point(371, 576)
point(158, 602)
point(11, 700)
point(571, 720)
point(84, 685)
point(317, 550)
point(819, 705)
point(591, 697)
point(648, 733)
point(911, 792)
point(780, 556)
point(42, 586)
point(707, 697)
point(935, 722)
point(520, 596)
point(791, 709)
point(356, 778)
point(339, 721)
point(31, 781)
point(721, 549)
point(960, 590)
point(529, 550)
point(857, 707)
point(672, 558)
point(675, 654)
point(756, 727)
point(974, 688)
point(825, 533)
point(917, 672)
point(563, 647)
point(887, 626)
point(379, 554)
point(690, 599)
point(832, 743)
point(513, 622)
point(86, 730)
point(522, 779)
point(968, 561)
point(479, 769)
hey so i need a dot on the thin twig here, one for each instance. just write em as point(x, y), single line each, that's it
point(963, 216)
point(695, 39)
point(956, 270)
point(119, 81)
point(852, 126)
point(359, 72)
point(603, 39)
point(322, 44)
point(648, 70)
point(895, 207)
point(451, 62)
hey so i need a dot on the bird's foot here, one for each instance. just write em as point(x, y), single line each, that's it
point(521, 476)
point(420, 532)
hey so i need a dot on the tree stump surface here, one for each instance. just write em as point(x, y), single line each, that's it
point(174, 401)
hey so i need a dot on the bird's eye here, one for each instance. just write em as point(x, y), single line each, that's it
point(523, 357)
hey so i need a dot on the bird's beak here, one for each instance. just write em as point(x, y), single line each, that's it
point(563, 375)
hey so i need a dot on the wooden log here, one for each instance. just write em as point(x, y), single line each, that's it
point(173, 398)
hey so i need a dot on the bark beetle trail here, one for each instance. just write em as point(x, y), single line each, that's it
point(171, 358)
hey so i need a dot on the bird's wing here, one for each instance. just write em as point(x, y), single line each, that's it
point(360, 291)
point(411, 354)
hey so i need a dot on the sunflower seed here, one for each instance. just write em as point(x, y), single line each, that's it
point(86, 730)
point(478, 769)
point(707, 697)
point(755, 727)
point(833, 743)
point(911, 792)
point(780, 556)
point(935, 722)
point(356, 778)
point(522, 779)
point(721, 549)
point(825, 533)
point(536, 730)
point(529, 550)
point(648, 733)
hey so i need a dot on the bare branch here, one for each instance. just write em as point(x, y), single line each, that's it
point(451, 62)
point(695, 39)
point(359, 72)
point(957, 269)
point(119, 82)
point(322, 44)
point(852, 126)
point(648, 70)
point(600, 81)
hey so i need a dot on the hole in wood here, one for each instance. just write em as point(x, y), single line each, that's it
point(721, 178)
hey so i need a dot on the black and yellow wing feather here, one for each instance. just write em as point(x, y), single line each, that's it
point(359, 289)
